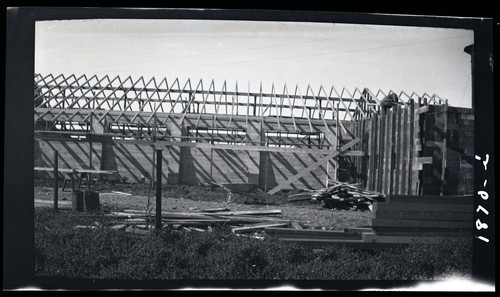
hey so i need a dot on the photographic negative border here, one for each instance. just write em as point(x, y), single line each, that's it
point(18, 247)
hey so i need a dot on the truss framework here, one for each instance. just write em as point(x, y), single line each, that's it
point(72, 95)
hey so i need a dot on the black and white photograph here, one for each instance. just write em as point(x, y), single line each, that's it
point(225, 151)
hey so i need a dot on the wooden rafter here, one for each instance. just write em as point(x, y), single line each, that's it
point(316, 101)
point(290, 106)
point(304, 108)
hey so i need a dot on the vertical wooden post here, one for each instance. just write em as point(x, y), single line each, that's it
point(337, 143)
point(89, 175)
point(381, 154)
point(158, 188)
point(403, 152)
point(254, 105)
point(56, 176)
point(369, 152)
point(411, 148)
point(445, 155)
point(211, 161)
point(265, 170)
point(326, 181)
point(154, 156)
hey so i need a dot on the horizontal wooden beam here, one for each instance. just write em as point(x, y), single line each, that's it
point(202, 145)
point(255, 227)
point(355, 244)
point(313, 234)
point(194, 102)
point(372, 237)
point(204, 92)
point(418, 231)
point(76, 170)
point(47, 114)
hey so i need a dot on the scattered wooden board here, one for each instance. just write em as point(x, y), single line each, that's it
point(311, 234)
point(372, 237)
point(356, 244)
point(257, 227)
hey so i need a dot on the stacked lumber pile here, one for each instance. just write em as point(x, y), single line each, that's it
point(203, 220)
point(405, 219)
point(399, 220)
point(341, 196)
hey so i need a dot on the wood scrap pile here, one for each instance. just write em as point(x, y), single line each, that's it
point(241, 222)
point(341, 196)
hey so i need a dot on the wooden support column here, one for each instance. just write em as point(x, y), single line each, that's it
point(369, 152)
point(89, 135)
point(403, 153)
point(397, 151)
point(56, 176)
point(445, 155)
point(159, 161)
point(411, 140)
point(337, 143)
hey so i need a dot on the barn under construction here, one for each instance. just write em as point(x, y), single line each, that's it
point(275, 139)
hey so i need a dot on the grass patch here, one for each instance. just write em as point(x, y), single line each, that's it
point(103, 253)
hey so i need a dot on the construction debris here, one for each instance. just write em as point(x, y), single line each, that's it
point(341, 196)
point(203, 220)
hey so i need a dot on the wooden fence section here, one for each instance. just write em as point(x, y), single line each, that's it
point(416, 149)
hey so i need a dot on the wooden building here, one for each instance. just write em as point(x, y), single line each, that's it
point(286, 139)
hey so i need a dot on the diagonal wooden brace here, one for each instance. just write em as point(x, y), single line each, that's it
point(313, 166)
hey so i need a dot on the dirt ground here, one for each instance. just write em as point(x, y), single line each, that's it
point(310, 214)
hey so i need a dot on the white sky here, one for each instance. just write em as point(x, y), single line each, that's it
point(410, 59)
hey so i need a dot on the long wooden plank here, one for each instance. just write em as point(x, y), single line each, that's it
point(313, 234)
point(386, 151)
point(372, 237)
point(371, 152)
point(247, 212)
point(444, 149)
point(355, 244)
point(76, 170)
point(411, 138)
point(252, 219)
point(417, 147)
point(421, 207)
point(421, 224)
point(205, 145)
point(390, 152)
point(256, 227)
point(196, 221)
point(313, 166)
point(457, 199)
point(404, 153)
point(411, 231)
point(380, 153)
point(358, 230)
point(397, 150)
point(466, 216)
point(64, 204)
point(209, 213)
